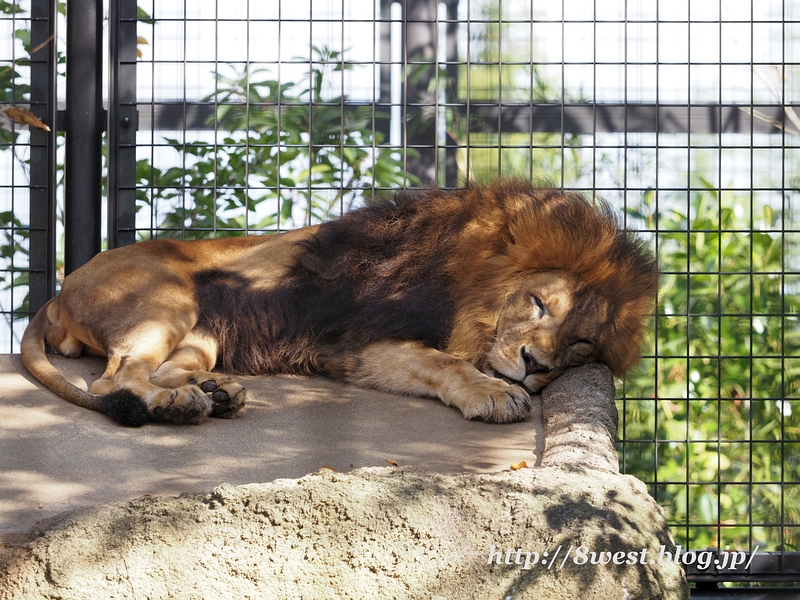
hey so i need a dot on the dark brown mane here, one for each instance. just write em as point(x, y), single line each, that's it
point(430, 265)
point(376, 273)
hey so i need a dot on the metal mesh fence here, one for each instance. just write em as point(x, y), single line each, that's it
point(254, 117)
point(28, 214)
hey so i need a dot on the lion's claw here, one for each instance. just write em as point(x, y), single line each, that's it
point(514, 406)
point(496, 401)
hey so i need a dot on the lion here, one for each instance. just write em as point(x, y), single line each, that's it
point(479, 297)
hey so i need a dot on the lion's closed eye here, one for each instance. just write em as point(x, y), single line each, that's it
point(538, 307)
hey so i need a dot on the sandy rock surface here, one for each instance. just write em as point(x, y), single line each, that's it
point(373, 533)
point(572, 528)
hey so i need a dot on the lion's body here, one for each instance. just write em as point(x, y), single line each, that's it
point(476, 297)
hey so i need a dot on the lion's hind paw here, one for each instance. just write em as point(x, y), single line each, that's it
point(226, 393)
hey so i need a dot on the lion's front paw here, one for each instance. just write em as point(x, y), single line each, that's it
point(226, 393)
point(496, 401)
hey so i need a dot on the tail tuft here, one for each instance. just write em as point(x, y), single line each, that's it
point(126, 408)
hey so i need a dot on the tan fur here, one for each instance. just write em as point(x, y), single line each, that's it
point(539, 280)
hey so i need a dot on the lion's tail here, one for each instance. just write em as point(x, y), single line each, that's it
point(35, 360)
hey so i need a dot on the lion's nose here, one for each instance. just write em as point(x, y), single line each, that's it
point(531, 366)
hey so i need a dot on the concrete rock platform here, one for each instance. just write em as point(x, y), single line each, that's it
point(55, 456)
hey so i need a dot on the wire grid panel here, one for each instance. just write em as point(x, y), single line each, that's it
point(681, 114)
point(262, 116)
point(270, 117)
point(25, 275)
point(14, 187)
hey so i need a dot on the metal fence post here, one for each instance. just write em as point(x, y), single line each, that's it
point(419, 43)
point(43, 154)
point(122, 122)
point(84, 126)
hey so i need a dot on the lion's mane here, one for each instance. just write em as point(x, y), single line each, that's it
point(431, 265)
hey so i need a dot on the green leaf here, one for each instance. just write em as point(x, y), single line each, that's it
point(286, 209)
point(24, 36)
point(10, 8)
point(144, 16)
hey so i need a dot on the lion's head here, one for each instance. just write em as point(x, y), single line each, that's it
point(552, 321)
point(557, 283)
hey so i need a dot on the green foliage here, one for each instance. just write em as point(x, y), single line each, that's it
point(12, 91)
point(13, 87)
point(15, 91)
point(716, 397)
point(10, 8)
point(324, 158)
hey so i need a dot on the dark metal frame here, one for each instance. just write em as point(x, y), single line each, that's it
point(84, 123)
point(122, 123)
point(539, 118)
point(43, 152)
